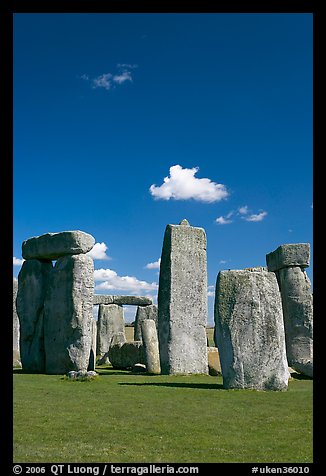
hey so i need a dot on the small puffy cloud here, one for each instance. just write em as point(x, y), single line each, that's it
point(155, 265)
point(223, 221)
point(121, 78)
point(110, 80)
point(183, 185)
point(243, 210)
point(103, 81)
point(17, 261)
point(245, 213)
point(256, 217)
point(111, 281)
point(99, 251)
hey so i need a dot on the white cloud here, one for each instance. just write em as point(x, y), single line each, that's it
point(103, 81)
point(243, 210)
point(110, 80)
point(17, 261)
point(183, 185)
point(223, 221)
point(121, 78)
point(211, 290)
point(155, 265)
point(256, 217)
point(222, 261)
point(245, 215)
point(99, 251)
point(111, 281)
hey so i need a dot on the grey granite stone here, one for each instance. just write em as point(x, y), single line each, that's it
point(182, 301)
point(15, 323)
point(52, 246)
point(289, 255)
point(144, 312)
point(32, 285)
point(249, 330)
point(122, 300)
point(125, 356)
point(110, 323)
point(151, 347)
point(68, 314)
point(297, 303)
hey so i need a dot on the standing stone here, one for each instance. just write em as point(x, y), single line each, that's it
point(214, 365)
point(249, 330)
point(144, 312)
point(110, 323)
point(68, 314)
point(15, 343)
point(32, 283)
point(151, 347)
point(182, 301)
point(289, 263)
point(125, 356)
point(92, 356)
point(52, 246)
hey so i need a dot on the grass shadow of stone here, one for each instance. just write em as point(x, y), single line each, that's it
point(297, 376)
point(202, 386)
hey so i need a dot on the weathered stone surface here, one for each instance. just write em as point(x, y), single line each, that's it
point(92, 356)
point(15, 323)
point(182, 301)
point(68, 314)
point(110, 323)
point(214, 365)
point(32, 283)
point(16, 359)
point(123, 356)
point(144, 312)
point(151, 347)
point(297, 301)
point(289, 255)
point(121, 300)
point(249, 330)
point(52, 246)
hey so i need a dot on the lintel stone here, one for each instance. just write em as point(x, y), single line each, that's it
point(289, 255)
point(52, 246)
point(121, 300)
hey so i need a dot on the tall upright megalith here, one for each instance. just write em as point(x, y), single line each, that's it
point(182, 301)
point(15, 322)
point(143, 313)
point(68, 314)
point(32, 284)
point(110, 323)
point(54, 304)
point(151, 346)
point(249, 330)
point(289, 262)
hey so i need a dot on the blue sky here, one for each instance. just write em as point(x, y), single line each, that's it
point(124, 123)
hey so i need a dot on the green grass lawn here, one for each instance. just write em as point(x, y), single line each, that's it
point(122, 417)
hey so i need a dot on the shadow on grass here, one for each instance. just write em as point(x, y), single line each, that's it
point(205, 386)
point(27, 372)
point(298, 376)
